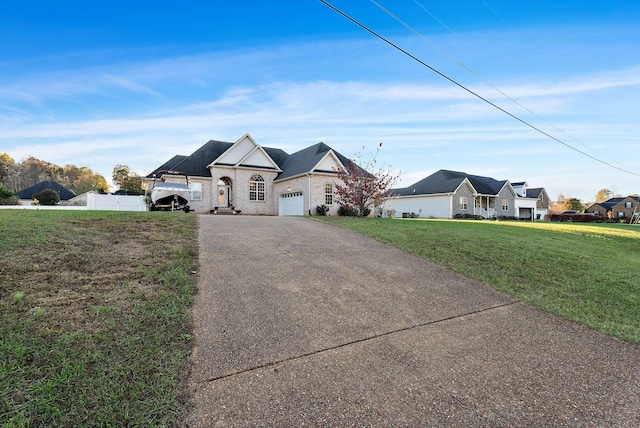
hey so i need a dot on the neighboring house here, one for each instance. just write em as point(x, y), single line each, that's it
point(618, 207)
point(260, 180)
point(26, 195)
point(445, 194)
point(543, 202)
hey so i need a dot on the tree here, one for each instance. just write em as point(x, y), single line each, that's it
point(120, 174)
point(132, 185)
point(128, 182)
point(47, 197)
point(89, 181)
point(573, 204)
point(604, 195)
point(7, 164)
point(358, 187)
point(18, 176)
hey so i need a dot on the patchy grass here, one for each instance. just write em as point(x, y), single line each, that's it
point(585, 273)
point(94, 321)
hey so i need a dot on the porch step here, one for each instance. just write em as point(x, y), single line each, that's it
point(224, 211)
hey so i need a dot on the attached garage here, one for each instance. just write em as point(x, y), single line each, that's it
point(291, 204)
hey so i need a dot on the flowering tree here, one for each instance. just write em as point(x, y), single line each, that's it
point(362, 183)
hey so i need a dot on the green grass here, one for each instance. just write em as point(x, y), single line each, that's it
point(100, 332)
point(585, 273)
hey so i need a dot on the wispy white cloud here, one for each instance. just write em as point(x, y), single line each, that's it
point(161, 107)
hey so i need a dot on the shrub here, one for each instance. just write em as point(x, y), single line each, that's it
point(574, 217)
point(347, 211)
point(47, 197)
point(467, 217)
point(5, 193)
point(322, 209)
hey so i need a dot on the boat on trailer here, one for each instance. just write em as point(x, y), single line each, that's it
point(170, 195)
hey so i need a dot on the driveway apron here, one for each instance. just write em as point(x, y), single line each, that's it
point(299, 323)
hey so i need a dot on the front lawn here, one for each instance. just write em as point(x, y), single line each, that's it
point(94, 321)
point(585, 273)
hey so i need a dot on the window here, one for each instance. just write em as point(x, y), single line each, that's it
point(196, 191)
point(505, 205)
point(596, 212)
point(328, 193)
point(621, 214)
point(256, 188)
point(628, 204)
point(463, 203)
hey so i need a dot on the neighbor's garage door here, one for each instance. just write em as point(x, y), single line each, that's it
point(292, 204)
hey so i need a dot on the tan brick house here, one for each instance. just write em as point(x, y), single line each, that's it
point(258, 180)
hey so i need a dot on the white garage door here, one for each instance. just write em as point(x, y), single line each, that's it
point(292, 204)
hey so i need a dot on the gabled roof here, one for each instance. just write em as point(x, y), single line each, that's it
point(195, 165)
point(534, 192)
point(245, 152)
point(446, 181)
point(307, 160)
point(316, 158)
point(171, 163)
point(64, 193)
point(611, 202)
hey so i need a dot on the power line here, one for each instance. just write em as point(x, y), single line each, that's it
point(476, 74)
point(469, 90)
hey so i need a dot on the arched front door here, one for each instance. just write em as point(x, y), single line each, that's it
point(224, 192)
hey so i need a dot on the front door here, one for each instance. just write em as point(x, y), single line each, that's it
point(223, 196)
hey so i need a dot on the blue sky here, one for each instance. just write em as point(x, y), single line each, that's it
point(100, 83)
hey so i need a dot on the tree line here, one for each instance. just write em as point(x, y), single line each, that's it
point(17, 176)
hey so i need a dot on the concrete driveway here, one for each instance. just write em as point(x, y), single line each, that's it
point(298, 323)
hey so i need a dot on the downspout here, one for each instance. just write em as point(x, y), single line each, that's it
point(309, 196)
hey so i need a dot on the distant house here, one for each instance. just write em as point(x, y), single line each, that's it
point(26, 195)
point(624, 208)
point(449, 194)
point(259, 180)
point(543, 202)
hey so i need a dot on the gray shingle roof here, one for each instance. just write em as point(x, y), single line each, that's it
point(195, 165)
point(305, 160)
point(446, 181)
point(64, 193)
point(534, 192)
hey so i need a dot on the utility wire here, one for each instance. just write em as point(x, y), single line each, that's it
point(469, 90)
point(476, 74)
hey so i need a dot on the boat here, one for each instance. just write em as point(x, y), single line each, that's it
point(169, 195)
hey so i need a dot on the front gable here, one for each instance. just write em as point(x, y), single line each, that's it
point(236, 152)
point(507, 192)
point(245, 153)
point(329, 163)
point(465, 188)
point(257, 158)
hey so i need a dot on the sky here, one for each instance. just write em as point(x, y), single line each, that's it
point(543, 91)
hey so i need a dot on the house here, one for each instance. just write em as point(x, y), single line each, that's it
point(624, 208)
point(543, 202)
point(448, 194)
point(26, 195)
point(247, 177)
